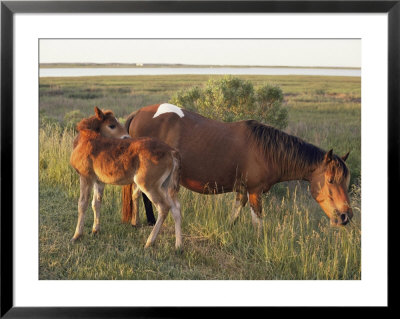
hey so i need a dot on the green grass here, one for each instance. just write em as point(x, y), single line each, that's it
point(297, 242)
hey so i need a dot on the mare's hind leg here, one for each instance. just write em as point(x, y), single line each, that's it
point(135, 205)
point(240, 202)
point(85, 188)
point(256, 210)
point(96, 204)
point(149, 210)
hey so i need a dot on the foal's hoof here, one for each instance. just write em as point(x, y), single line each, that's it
point(75, 239)
point(95, 232)
point(179, 250)
point(148, 245)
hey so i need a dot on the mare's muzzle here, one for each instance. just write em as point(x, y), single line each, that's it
point(342, 218)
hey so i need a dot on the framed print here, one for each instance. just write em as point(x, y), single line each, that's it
point(268, 130)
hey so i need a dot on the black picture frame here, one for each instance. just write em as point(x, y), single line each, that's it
point(9, 8)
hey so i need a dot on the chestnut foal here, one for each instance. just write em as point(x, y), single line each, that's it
point(104, 153)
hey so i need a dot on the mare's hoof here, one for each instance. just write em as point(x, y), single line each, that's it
point(95, 232)
point(179, 250)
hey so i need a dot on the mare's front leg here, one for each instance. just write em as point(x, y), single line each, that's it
point(85, 188)
point(256, 210)
point(96, 204)
point(240, 202)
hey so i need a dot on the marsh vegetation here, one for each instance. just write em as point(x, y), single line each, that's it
point(297, 242)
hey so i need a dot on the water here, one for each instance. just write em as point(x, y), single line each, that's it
point(66, 72)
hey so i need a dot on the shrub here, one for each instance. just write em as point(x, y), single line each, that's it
point(269, 102)
point(232, 99)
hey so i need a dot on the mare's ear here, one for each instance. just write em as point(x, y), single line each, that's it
point(99, 113)
point(344, 158)
point(328, 156)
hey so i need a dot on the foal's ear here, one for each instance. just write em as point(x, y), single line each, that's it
point(344, 158)
point(328, 156)
point(99, 113)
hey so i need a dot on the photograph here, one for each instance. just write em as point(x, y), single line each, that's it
point(165, 158)
point(199, 159)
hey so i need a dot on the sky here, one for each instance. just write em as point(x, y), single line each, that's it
point(261, 52)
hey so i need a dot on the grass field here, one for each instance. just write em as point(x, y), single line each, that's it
point(297, 242)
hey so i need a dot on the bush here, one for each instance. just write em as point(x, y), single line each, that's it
point(270, 110)
point(232, 99)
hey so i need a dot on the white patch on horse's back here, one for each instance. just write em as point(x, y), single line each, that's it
point(168, 108)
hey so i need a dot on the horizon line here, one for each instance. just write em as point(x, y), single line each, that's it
point(140, 64)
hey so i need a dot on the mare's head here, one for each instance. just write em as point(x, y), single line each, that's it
point(103, 123)
point(329, 184)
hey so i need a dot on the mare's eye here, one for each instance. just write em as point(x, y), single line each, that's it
point(330, 180)
point(112, 126)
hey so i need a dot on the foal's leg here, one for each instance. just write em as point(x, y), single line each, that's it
point(241, 200)
point(256, 210)
point(135, 205)
point(96, 203)
point(85, 188)
point(176, 214)
point(162, 214)
point(158, 198)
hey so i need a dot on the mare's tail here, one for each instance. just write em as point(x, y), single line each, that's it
point(127, 203)
point(127, 206)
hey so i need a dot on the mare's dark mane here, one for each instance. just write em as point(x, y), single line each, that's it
point(289, 152)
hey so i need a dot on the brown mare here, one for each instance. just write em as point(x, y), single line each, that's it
point(104, 154)
point(245, 157)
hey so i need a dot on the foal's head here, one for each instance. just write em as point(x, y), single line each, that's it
point(329, 184)
point(103, 123)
